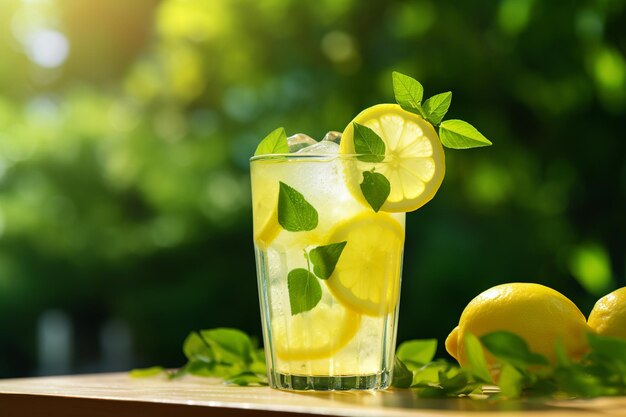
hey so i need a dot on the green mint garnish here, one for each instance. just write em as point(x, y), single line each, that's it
point(436, 107)
point(225, 353)
point(304, 290)
point(368, 144)
point(275, 142)
point(147, 372)
point(408, 92)
point(228, 345)
point(457, 134)
point(476, 358)
point(510, 381)
point(375, 188)
point(511, 348)
point(295, 214)
point(417, 352)
point(402, 376)
point(325, 258)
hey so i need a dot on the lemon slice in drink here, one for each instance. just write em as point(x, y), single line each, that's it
point(366, 278)
point(414, 160)
point(314, 334)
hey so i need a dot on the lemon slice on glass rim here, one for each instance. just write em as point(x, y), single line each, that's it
point(414, 161)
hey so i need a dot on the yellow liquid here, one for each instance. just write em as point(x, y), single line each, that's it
point(347, 340)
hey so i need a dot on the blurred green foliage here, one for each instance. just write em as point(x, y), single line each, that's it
point(124, 187)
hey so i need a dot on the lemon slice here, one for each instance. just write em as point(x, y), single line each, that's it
point(414, 160)
point(315, 334)
point(366, 278)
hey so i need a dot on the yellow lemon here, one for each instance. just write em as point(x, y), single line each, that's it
point(538, 314)
point(414, 160)
point(366, 278)
point(608, 317)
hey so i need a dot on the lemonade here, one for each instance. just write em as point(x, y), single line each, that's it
point(347, 340)
point(329, 223)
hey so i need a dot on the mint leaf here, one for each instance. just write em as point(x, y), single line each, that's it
point(246, 379)
point(402, 377)
point(608, 348)
point(429, 373)
point(229, 346)
point(147, 372)
point(368, 144)
point(304, 290)
point(512, 348)
point(510, 381)
point(375, 188)
point(196, 349)
point(324, 258)
point(476, 357)
point(275, 142)
point(417, 352)
point(457, 134)
point(408, 92)
point(295, 214)
point(436, 107)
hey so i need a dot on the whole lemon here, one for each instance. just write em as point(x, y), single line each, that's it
point(540, 315)
point(608, 317)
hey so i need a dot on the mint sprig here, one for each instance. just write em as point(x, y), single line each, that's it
point(455, 134)
point(295, 214)
point(275, 142)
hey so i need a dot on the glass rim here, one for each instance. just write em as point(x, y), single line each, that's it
point(320, 157)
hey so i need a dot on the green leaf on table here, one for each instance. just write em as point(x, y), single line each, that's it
point(608, 348)
point(409, 92)
point(510, 381)
point(457, 134)
point(295, 214)
point(402, 376)
point(258, 364)
point(246, 379)
point(275, 142)
point(305, 290)
point(476, 358)
point(453, 383)
point(417, 353)
point(324, 258)
point(375, 188)
point(196, 349)
point(428, 374)
point(229, 346)
point(512, 348)
point(147, 372)
point(436, 107)
point(367, 144)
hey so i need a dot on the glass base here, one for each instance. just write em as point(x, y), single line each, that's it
point(330, 383)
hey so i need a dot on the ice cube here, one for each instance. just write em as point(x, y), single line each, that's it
point(321, 148)
point(332, 136)
point(299, 141)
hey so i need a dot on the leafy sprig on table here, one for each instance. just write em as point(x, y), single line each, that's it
point(233, 356)
point(600, 372)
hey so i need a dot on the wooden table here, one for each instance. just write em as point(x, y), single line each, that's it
point(121, 396)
